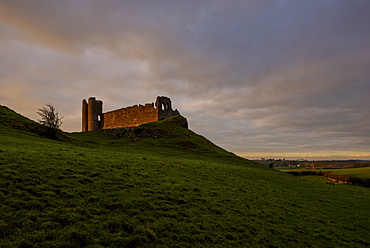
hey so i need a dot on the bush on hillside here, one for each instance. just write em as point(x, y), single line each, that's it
point(50, 117)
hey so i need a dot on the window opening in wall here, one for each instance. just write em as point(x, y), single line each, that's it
point(99, 118)
point(162, 106)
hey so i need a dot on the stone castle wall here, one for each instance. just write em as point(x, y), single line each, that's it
point(93, 117)
point(130, 116)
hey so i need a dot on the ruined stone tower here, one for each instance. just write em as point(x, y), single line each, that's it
point(92, 114)
point(93, 117)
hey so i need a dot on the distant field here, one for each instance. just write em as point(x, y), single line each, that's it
point(354, 172)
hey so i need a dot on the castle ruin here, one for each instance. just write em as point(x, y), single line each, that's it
point(93, 117)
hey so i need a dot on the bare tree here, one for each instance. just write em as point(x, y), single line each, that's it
point(50, 117)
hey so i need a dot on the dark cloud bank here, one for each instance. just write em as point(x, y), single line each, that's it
point(259, 78)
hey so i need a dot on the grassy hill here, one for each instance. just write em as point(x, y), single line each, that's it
point(161, 185)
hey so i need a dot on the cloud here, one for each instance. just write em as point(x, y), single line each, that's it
point(254, 77)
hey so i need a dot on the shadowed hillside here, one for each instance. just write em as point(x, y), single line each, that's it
point(161, 185)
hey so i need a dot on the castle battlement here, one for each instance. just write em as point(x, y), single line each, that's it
point(93, 117)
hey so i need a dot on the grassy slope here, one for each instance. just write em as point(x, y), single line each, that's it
point(176, 191)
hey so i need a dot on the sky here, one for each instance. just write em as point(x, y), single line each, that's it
point(260, 78)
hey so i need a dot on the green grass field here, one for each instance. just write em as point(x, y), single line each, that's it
point(176, 190)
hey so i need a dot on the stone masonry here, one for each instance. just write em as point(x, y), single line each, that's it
point(93, 117)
